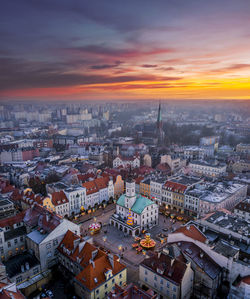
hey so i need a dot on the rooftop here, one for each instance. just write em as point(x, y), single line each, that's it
point(14, 264)
point(140, 204)
point(165, 266)
point(200, 258)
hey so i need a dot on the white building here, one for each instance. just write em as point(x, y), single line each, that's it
point(222, 195)
point(142, 212)
point(203, 168)
point(242, 210)
point(12, 236)
point(98, 191)
point(76, 197)
point(156, 185)
point(125, 162)
point(46, 232)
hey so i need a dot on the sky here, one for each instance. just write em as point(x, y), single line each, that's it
point(134, 49)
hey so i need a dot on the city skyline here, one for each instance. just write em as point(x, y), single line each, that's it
point(81, 50)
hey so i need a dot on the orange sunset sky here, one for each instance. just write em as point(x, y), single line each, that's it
point(134, 50)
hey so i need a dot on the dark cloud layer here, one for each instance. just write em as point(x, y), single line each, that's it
point(19, 74)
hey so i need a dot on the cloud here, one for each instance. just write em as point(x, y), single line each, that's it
point(149, 65)
point(105, 66)
point(103, 50)
point(21, 74)
point(229, 69)
point(169, 68)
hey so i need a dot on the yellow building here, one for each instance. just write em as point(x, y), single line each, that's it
point(145, 188)
point(173, 196)
point(96, 273)
point(118, 186)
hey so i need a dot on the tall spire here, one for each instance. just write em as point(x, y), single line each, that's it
point(159, 125)
point(159, 119)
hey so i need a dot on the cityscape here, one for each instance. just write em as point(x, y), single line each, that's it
point(125, 149)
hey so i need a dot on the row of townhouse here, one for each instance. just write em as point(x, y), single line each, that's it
point(191, 195)
point(71, 201)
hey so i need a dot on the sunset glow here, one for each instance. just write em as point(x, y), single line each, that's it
point(106, 50)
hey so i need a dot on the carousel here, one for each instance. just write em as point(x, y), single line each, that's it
point(94, 227)
point(147, 243)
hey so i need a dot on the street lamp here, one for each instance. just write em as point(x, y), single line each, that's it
point(104, 240)
point(120, 249)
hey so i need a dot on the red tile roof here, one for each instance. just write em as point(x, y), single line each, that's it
point(96, 185)
point(175, 187)
point(131, 291)
point(10, 221)
point(90, 187)
point(246, 279)
point(41, 217)
point(92, 275)
point(59, 198)
point(8, 294)
point(193, 232)
point(7, 189)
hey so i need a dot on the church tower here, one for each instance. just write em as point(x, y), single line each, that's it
point(159, 127)
point(130, 196)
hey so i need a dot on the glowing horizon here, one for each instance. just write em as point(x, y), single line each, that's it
point(81, 51)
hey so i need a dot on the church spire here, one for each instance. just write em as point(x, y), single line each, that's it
point(159, 119)
point(159, 125)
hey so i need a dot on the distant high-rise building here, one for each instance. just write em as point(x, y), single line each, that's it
point(159, 126)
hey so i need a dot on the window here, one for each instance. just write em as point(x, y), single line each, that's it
point(48, 246)
point(19, 279)
point(113, 280)
point(55, 242)
point(155, 277)
point(9, 244)
point(106, 285)
point(146, 272)
point(174, 288)
point(21, 239)
point(15, 241)
point(36, 270)
point(1, 250)
point(146, 279)
point(120, 276)
point(174, 296)
point(97, 291)
point(167, 285)
point(1, 241)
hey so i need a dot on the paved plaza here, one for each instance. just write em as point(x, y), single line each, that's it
point(117, 242)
